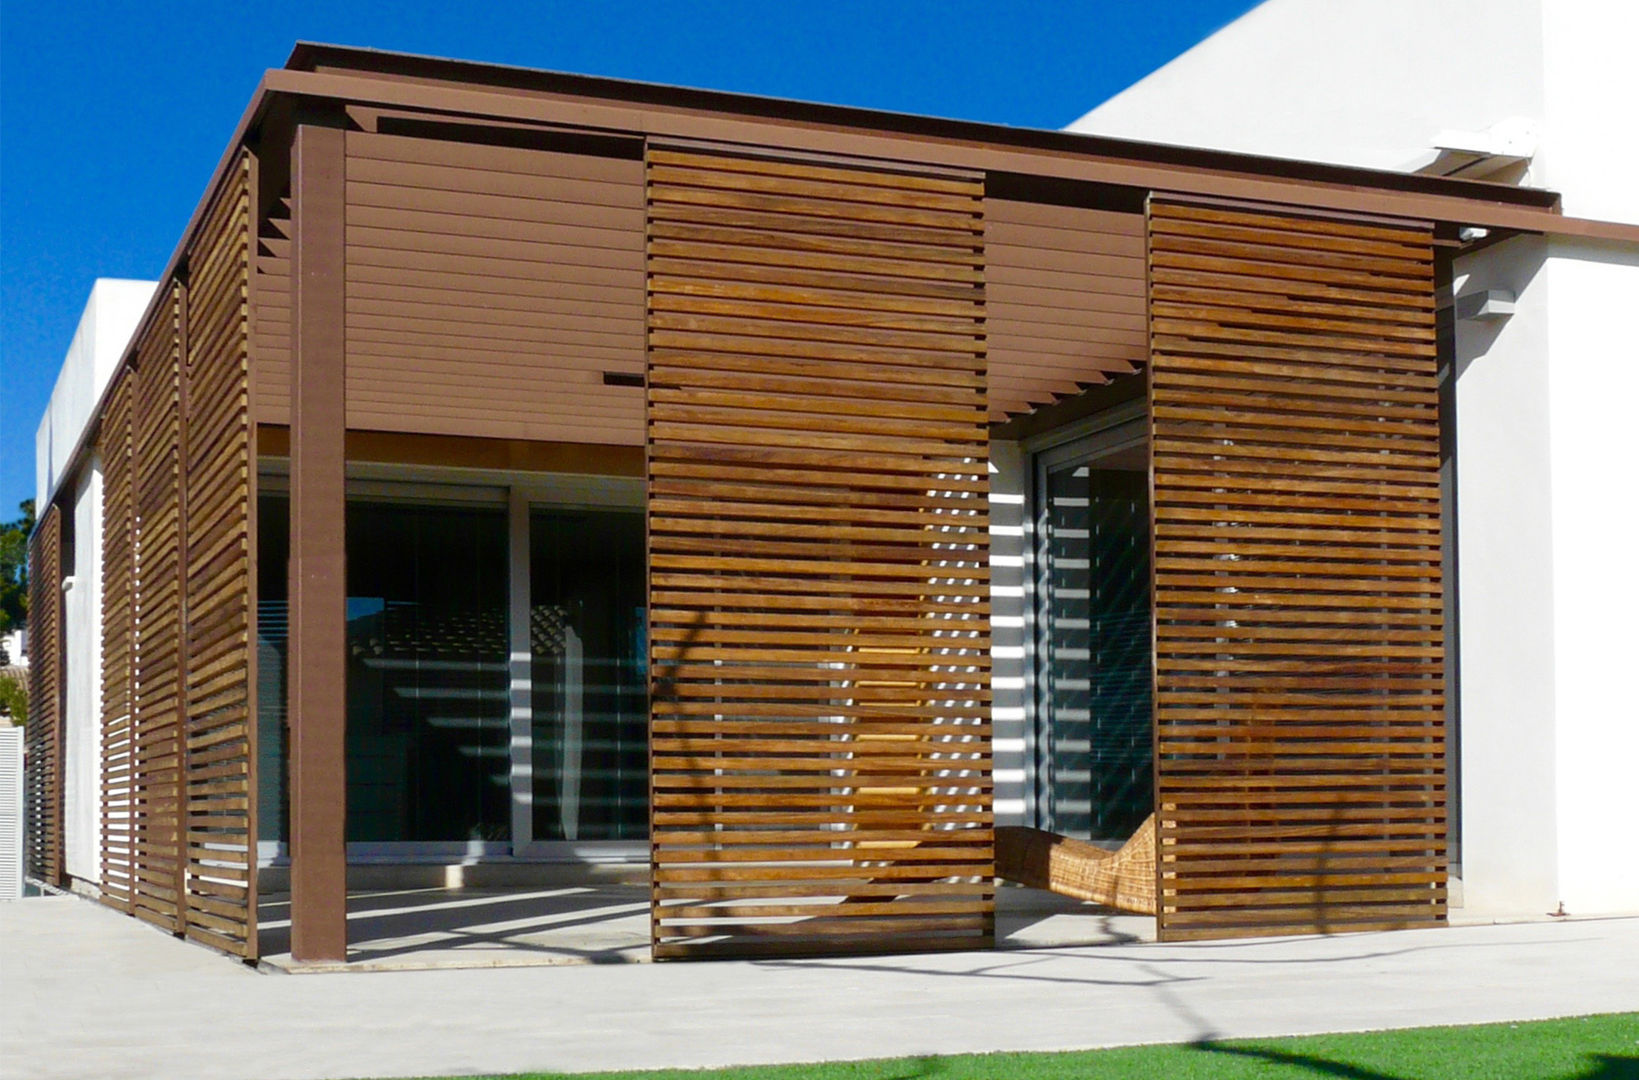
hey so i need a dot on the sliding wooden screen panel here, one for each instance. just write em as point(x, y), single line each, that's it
point(156, 793)
point(818, 559)
point(1301, 782)
point(218, 499)
point(43, 737)
point(118, 823)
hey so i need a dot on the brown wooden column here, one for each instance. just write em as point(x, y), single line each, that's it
point(318, 580)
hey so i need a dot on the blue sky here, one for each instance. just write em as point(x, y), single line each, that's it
point(113, 114)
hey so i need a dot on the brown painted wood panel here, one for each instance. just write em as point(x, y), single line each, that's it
point(1300, 738)
point(1064, 295)
point(489, 288)
point(118, 726)
point(43, 738)
point(159, 745)
point(818, 559)
point(219, 499)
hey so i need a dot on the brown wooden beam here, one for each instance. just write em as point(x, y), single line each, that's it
point(318, 571)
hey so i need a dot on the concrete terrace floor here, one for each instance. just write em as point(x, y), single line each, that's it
point(89, 993)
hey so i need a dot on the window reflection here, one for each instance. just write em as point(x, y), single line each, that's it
point(590, 756)
point(1094, 645)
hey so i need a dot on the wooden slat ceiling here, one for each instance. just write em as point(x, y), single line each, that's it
point(1301, 782)
point(1064, 290)
point(818, 578)
point(489, 290)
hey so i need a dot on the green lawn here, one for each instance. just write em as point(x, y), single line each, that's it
point(1582, 1048)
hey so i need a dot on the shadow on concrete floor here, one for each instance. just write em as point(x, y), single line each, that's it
point(397, 929)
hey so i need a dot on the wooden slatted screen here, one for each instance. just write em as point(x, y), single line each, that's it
point(157, 784)
point(1301, 783)
point(43, 737)
point(118, 627)
point(818, 560)
point(218, 500)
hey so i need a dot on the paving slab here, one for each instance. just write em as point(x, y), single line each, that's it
point(85, 992)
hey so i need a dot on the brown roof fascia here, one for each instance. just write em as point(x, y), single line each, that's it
point(318, 58)
point(521, 95)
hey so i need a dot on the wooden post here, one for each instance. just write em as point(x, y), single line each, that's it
point(318, 572)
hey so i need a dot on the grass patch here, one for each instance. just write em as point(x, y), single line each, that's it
point(1580, 1048)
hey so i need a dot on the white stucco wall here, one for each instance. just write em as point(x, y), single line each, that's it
point(111, 314)
point(1010, 634)
point(1548, 736)
point(1593, 382)
point(1356, 82)
point(82, 630)
point(1505, 604)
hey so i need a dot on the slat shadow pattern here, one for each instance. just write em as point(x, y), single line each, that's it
point(43, 737)
point(818, 559)
point(1301, 781)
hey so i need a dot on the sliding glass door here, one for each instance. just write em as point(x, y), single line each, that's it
point(1093, 667)
point(496, 688)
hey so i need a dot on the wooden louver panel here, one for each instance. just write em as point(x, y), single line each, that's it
point(1301, 783)
point(218, 498)
point(156, 790)
point(118, 627)
point(818, 559)
point(43, 781)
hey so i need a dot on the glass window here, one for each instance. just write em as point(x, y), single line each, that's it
point(588, 663)
point(1093, 641)
point(427, 728)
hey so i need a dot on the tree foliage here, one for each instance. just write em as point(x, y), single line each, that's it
point(14, 568)
point(14, 698)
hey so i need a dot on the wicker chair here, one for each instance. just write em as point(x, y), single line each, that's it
point(1122, 879)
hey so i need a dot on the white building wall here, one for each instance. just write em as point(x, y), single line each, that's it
point(1355, 82)
point(82, 632)
point(1593, 375)
point(1544, 519)
point(1010, 537)
point(111, 314)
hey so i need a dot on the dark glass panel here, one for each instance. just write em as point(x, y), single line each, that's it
point(427, 729)
point(588, 655)
point(1094, 649)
